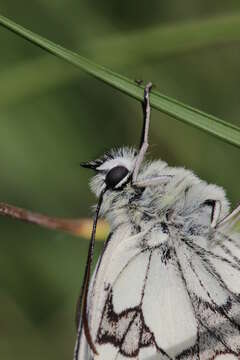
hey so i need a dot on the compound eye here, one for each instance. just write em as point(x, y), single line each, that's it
point(115, 176)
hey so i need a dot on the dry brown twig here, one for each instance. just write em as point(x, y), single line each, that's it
point(78, 227)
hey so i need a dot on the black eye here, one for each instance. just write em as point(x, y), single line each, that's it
point(115, 175)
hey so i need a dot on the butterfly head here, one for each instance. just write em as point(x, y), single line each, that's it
point(113, 170)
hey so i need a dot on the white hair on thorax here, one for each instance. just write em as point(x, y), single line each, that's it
point(179, 192)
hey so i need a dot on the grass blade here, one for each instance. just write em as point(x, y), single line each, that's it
point(22, 80)
point(187, 114)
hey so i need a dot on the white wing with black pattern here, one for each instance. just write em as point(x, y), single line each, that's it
point(157, 296)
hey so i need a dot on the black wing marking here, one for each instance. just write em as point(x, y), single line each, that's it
point(127, 330)
point(218, 324)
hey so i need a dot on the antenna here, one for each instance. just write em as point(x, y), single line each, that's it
point(81, 312)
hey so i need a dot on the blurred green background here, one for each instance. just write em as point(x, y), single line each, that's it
point(53, 116)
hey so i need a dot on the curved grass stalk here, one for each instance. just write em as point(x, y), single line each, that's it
point(178, 110)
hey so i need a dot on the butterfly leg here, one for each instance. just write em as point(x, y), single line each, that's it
point(144, 138)
point(152, 181)
point(216, 211)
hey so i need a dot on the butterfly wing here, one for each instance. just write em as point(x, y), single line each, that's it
point(158, 296)
point(116, 253)
point(210, 282)
point(141, 319)
point(133, 300)
point(212, 277)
